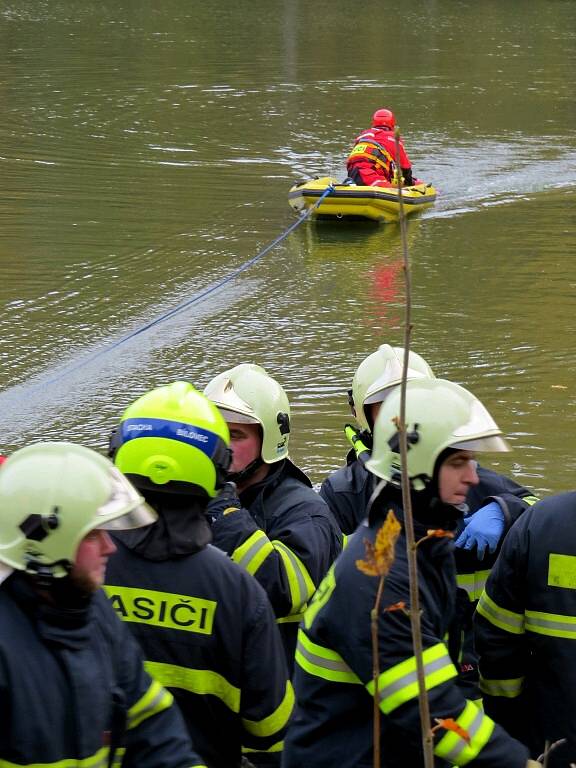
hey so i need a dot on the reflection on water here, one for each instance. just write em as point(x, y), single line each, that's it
point(147, 151)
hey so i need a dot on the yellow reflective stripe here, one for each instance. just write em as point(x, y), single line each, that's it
point(300, 584)
point(322, 662)
point(162, 609)
point(97, 760)
point(345, 538)
point(199, 681)
point(270, 725)
point(551, 624)
point(561, 571)
point(530, 500)
point(155, 700)
point(293, 618)
point(508, 689)
point(458, 751)
point(399, 684)
point(473, 583)
point(252, 553)
point(500, 617)
point(278, 747)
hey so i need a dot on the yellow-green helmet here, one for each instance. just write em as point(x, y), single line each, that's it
point(378, 373)
point(439, 415)
point(51, 495)
point(173, 434)
point(247, 394)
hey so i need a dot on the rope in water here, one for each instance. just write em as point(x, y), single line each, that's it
point(193, 299)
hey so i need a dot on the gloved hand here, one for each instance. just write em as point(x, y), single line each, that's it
point(225, 503)
point(484, 528)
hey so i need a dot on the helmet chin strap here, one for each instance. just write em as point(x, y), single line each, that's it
point(246, 473)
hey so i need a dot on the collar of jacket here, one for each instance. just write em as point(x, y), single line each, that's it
point(61, 615)
point(427, 510)
point(278, 472)
point(181, 529)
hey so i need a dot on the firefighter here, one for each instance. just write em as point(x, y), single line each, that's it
point(206, 627)
point(526, 631)
point(372, 161)
point(334, 683)
point(281, 531)
point(73, 690)
point(490, 508)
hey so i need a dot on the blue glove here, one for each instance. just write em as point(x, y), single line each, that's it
point(225, 503)
point(484, 528)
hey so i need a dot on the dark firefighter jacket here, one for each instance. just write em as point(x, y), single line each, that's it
point(72, 683)
point(347, 492)
point(208, 634)
point(285, 536)
point(526, 629)
point(334, 684)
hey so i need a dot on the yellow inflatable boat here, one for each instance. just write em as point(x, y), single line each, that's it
point(350, 201)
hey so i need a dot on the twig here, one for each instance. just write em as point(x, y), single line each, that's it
point(427, 736)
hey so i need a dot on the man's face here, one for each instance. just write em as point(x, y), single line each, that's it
point(92, 556)
point(245, 443)
point(457, 474)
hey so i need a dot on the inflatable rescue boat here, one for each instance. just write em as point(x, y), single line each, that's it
point(351, 201)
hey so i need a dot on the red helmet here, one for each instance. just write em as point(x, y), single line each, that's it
point(383, 118)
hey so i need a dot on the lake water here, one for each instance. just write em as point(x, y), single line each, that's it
point(146, 152)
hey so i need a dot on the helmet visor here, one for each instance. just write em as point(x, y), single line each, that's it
point(125, 509)
point(234, 417)
point(492, 444)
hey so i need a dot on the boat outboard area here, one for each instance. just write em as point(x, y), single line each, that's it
point(350, 201)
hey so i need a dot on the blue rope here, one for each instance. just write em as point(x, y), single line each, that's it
point(194, 299)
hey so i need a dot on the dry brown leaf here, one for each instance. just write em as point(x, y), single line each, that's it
point(401, 606)
point(451, 725)
point(439, 533)
point(380, 555)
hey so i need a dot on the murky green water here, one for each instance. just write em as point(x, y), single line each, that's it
point(146, 152)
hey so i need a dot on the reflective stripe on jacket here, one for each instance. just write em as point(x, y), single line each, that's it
point(209, 635)
point(334, 683)
point(286, 537)
point(526, 627)
point(72, 682)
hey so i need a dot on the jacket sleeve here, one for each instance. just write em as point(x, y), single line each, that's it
point(290, 559)
point(486, 744)
point(341, 504)
point(513, 498)
point(153, 731)
point(267, 697)
point(499, 631)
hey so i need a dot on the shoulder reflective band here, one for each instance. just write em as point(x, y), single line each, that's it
point(456, 750)
point(155, 700)
point(530, 500)
point(252, 552)
point(300, 584)
point(500, 617)
point(472, 583)
point(278, 747)
point(322, 662)
point(507, 689)
point(275, 722)
point(399, 684)
point(162, 609)
point(98, 760)
point(321, 597)
point(562, 571)
point(551, 624)
point(198, 681)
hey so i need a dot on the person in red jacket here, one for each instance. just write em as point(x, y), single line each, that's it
point(372, 161)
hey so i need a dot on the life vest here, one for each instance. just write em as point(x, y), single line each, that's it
point(373, 152)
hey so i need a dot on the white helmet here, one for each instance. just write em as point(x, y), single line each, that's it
point(378, 373)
